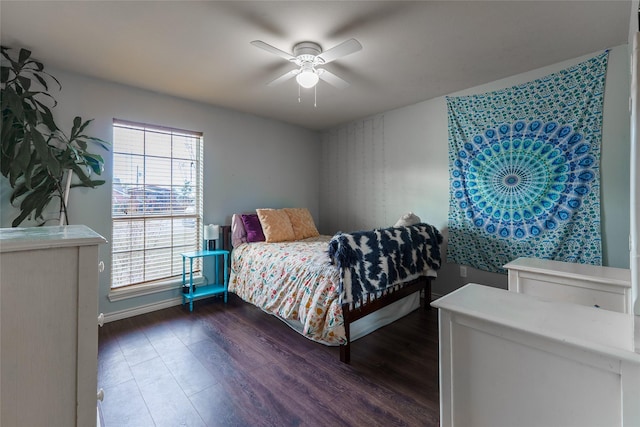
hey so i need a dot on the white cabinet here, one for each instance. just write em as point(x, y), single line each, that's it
point(606, 287)
point(511, 359)
point(48, 326)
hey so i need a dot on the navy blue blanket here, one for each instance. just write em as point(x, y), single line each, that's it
point(371, 261)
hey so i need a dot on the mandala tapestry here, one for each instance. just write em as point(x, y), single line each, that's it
point(524, 170)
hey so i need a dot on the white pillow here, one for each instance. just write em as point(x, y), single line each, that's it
point(408, 219)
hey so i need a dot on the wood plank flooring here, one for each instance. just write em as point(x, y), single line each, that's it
point(234, 365)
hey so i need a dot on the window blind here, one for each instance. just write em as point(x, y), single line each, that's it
point(156, 202)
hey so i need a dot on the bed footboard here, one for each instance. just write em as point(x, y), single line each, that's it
point(370, 303)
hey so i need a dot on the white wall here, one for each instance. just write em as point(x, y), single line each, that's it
point(249, 162)
point(634, 25)
point(413, 175)
point(634, 259)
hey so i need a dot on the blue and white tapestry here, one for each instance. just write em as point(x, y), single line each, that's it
point(524, 170)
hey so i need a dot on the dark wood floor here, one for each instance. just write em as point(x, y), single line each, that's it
point(234, 365)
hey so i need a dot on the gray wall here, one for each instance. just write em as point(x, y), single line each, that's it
point(252, 162)
point(249, 162)
point(400, 160)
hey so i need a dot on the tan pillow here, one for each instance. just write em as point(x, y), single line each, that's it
point(302, 223)
point(276, 225)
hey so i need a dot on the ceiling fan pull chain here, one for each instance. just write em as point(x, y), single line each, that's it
point(298, 94)
point(315, 96)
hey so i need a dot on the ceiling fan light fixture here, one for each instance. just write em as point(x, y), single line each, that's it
point(307, 79)
point(308, 55)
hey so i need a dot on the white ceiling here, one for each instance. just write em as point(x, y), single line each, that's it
point(412, 51)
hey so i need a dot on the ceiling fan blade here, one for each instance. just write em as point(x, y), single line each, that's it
point(283, 78)
point(332, 79)
point(274, 50)
point(343, 49)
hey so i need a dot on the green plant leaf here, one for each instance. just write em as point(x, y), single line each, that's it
point(95, 162)
point(104, 144)
point(14, 102)
point(81, 126)
point(4, 74)
point(41, 71)
point(94, 184)
point(50, 97)
point(29, 95)
point(20, 159)
point(9, 133)
point(42, 148)
point(25, 82)
point(18, 191)
point(47, 117)
point(10, 138)
point(4, 104)
point(79, 171)
point(82, 144)
point(24, 153)
point(22, 188)
point(41, 201)
point(42, 81)
point(35, 152)
point(4, 50)
point(33, 203)
point(31, 168)
point(15, 66)
point(23, 215)
point(24, 55)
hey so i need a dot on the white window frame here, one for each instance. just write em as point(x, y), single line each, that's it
point(173, 280)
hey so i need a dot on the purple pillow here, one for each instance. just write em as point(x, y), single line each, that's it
point(254, 229)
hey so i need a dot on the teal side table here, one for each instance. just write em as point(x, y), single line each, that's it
point(209, 290)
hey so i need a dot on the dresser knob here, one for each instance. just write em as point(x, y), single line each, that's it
point(101, 319)
point(101, 395)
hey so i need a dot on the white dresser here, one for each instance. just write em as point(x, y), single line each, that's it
point(605, 287)
point(48, 326)
point(512, 359)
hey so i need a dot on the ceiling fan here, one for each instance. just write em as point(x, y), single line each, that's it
point(308, 56)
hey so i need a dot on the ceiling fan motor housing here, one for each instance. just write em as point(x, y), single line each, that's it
point(306, 52)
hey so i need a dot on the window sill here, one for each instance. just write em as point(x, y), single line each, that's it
point(147, 289)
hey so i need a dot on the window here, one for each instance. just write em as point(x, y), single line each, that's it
point(156, 202)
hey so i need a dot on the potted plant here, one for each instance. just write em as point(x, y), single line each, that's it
point(37, 157)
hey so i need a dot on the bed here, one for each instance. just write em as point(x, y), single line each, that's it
point(324, 286)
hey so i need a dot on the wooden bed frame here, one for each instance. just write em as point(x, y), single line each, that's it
point(369, 304)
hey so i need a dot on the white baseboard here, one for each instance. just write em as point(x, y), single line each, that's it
point(142, 309)
point(148, 308)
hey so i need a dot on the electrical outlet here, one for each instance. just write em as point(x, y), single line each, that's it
point(463, 271)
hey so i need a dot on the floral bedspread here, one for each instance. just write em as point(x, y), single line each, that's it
point(293, 280)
